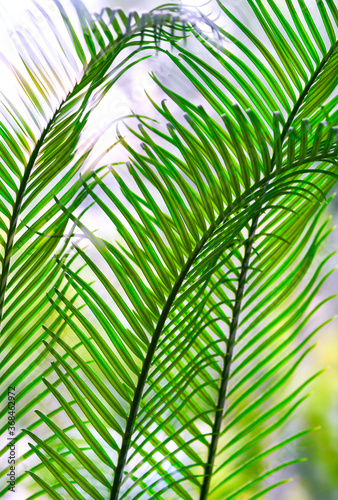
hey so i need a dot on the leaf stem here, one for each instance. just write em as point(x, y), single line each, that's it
point(240, 291)
point(228, 359)
point(25, 180)
point(303, 95)
point(15, 217)
point(126, 441)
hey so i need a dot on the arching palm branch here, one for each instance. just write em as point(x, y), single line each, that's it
point(42, 153)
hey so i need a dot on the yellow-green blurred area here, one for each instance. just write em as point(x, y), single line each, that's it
point(317, 477)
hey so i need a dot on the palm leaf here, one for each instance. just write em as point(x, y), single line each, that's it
point(187, 331)
point(43, 151)
point(175, 316)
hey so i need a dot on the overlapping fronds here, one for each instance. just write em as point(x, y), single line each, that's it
point(178, 381)
point(192, 255)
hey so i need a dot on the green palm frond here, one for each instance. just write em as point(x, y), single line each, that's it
point(43, 150)
point(174, 381)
